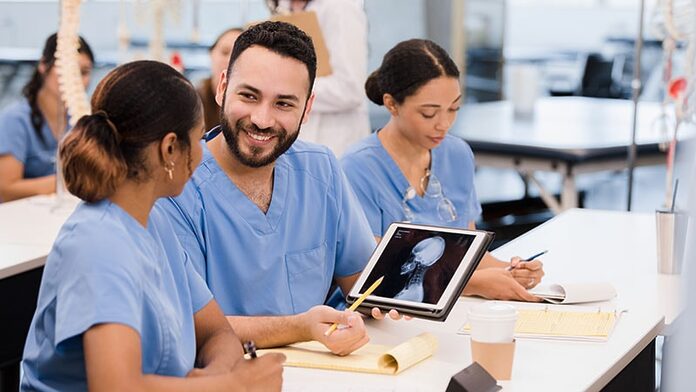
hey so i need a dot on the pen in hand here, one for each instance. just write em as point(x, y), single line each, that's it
point(250, 348)
point(510, 267)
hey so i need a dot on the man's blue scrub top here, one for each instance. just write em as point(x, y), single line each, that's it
point(281, 262)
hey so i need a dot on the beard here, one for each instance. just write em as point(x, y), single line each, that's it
point(255, 157)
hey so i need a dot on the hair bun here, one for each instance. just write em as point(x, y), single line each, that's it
point(373, 88)
point(101, 115)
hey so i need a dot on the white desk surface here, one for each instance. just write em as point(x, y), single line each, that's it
point(560, 122)
point(595, 246)
point(584, 245)
point(28, 228)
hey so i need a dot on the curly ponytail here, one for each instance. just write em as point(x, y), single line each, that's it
point(92, 161)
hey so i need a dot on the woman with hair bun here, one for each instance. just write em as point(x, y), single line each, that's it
point(29, 128)
point(412, 170)
point(117, 310)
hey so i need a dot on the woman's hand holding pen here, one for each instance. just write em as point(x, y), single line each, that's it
point(350, 336)
point(497, 283)
point(260, 374)
point(526, 273)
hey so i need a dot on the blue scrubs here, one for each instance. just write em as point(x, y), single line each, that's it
point(106, 268)
point(380, 185)
point(19, 139)
point(281, 262)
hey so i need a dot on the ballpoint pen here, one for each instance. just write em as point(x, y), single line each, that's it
point(250, 348)
point(510, 267)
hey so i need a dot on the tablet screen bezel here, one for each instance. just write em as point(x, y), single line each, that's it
point(470, 257)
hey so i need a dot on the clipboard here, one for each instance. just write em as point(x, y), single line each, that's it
point(308, 22)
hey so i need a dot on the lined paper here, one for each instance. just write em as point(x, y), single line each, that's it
point(557, 324)
point(371, 358)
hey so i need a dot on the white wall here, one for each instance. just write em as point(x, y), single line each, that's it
point(581, 25)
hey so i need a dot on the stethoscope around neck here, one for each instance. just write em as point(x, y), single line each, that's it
point(445, 208)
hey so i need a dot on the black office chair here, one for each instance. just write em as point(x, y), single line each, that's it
point(602, 77)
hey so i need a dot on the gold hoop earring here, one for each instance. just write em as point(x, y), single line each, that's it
point(170, 170)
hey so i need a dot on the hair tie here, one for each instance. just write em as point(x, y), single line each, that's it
point(112, 126)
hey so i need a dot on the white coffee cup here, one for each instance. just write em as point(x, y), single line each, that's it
point(492, 322)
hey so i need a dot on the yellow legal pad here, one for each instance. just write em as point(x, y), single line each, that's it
point(555, 324)
point(371, 358)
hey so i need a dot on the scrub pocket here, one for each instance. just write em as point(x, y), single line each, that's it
point(307, 277)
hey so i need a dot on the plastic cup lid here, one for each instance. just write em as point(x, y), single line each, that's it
point(492, 310)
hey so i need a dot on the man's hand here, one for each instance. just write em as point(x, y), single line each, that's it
point(350, 335)
point(393, 314)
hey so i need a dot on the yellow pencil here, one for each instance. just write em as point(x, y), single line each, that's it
point(356, 303)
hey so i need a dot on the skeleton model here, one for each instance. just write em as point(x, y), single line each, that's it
point(673, 22)
point(67, 63)
point(423, 256)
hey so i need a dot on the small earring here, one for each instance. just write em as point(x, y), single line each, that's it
point(170, 170)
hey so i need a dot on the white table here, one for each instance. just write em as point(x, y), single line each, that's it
point(27, 231)
point(566, 135)
point(584, 245)
point(613, 246)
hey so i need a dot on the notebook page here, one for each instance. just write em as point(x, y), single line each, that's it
point(555, 324)
point(315, 355)
point(559, 323)
point(409, 352)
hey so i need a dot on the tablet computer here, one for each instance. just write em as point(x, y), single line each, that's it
point(425, 269)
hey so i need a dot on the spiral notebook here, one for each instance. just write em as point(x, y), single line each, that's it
point(371, 358)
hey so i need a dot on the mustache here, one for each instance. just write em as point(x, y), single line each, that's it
point(250, 127)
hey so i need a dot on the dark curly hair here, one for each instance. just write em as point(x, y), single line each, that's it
point(281, 38)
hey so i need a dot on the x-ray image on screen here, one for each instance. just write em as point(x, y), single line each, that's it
point(417, 264)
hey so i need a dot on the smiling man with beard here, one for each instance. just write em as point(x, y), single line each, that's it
point(268, 221)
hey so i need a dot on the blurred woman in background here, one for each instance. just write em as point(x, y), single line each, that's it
point(220, 52)
point(30, 128)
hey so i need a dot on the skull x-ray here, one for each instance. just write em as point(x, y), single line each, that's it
point(423, 256)
point(418, 264)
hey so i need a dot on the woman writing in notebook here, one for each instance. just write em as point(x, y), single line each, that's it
point(116, 309)
point(412, 170)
